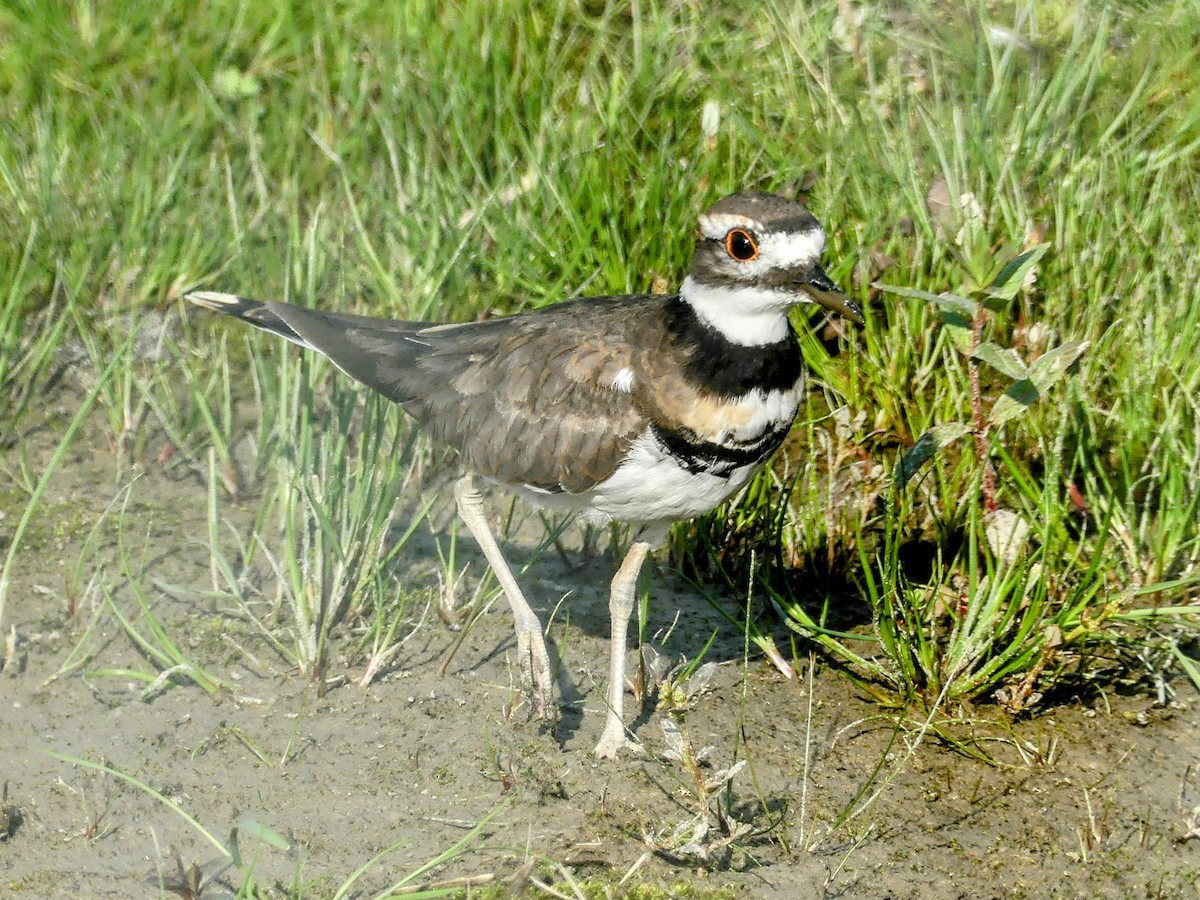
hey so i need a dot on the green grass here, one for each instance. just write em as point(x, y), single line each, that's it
point(455, 160)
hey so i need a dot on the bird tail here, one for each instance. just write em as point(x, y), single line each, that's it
point(376, 352)
point(252, 312)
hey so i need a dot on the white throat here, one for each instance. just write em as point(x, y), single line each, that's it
point(749, 316)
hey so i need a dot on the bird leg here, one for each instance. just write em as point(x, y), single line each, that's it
point(620, 607)
point(536, 675)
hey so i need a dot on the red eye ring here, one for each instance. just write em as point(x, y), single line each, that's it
point(741, 245)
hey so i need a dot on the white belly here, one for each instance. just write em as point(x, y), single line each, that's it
point(650, 486)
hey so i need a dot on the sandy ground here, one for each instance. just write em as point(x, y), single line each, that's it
point(1095, 798)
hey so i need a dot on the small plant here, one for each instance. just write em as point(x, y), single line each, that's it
point(1014, 603)
point(709, 836)
point(335, 492)
point(28, 340)
point(190, 882)
point(150, 635)
point(1189, 806)
point(993, 282)
point(203, 412)
point(10, 816)
point(36, 491)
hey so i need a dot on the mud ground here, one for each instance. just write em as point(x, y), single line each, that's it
point(1099, 797)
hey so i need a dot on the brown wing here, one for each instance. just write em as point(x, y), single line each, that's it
point(525, 399)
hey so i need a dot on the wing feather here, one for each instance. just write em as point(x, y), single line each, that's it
point(525, 400)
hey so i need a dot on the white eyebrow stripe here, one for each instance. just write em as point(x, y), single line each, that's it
point(717, 225)
point(794, 248)
point(788, 248)
point(781, 251)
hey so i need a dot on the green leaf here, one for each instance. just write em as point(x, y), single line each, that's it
point(263, 833)
point(1004, 360)
point(960, 333)
point(1053, 364)
point(947, 302)
point(1006, 285)
point(926, 446)
point(1043, 374)
point(1019, 397)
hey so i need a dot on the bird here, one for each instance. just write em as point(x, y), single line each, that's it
point(646, 409)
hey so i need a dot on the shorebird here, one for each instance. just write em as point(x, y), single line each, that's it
point(646, 409)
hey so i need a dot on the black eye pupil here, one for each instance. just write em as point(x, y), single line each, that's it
point(741, 246)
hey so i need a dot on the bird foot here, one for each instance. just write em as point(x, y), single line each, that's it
point(537, 678)
point(614, 739)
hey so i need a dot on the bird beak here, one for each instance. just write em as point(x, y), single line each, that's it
point(822, 290)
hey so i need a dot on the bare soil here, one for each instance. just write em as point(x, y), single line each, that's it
point(1095, 798)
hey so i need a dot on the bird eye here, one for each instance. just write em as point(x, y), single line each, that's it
point(741, 245)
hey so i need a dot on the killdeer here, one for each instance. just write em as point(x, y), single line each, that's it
point(647, 410)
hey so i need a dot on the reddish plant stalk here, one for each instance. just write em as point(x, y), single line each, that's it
point(979, 424)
